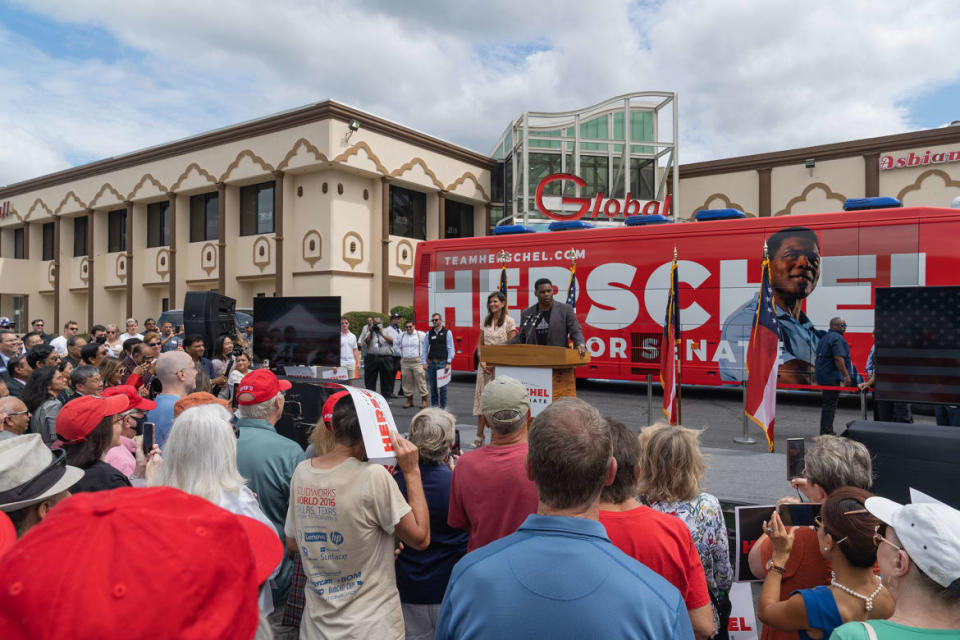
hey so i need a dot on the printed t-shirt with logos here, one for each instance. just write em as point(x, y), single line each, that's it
point(343, 520)
point(490, 493)
point(663, 543)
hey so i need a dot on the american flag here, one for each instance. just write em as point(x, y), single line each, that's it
point(762, 359)
point(503, 280)
point(668, 355)
point(572, 287)
point(918, 344)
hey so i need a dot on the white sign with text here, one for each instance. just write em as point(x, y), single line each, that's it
point(443, 377)
point(376, 423)
point(537, 380)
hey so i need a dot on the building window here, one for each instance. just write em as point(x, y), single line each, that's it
point(49, 240)
point(458, 219)
point(19, 243)
point(204, 209)
point(158, 224)
point(117, 231)
point(595, 172)
point(256, 209)
point(408, 213)
point(80, 247)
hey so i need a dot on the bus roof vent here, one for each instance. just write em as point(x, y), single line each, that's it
point(706, 215)
point(639, 221)
point(566, 225)
point(508, 229)
point(862, 204)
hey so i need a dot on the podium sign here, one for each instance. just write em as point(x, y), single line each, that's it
point(537, 380)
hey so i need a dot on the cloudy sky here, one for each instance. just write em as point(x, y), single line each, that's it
point(81, 81)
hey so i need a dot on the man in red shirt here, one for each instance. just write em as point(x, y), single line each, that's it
point(490, 494)
point(660, 541)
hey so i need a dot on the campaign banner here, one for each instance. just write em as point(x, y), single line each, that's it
point(443, 377)
point(743, 620)
point(537, 380)
point(376, 423)
point(749, 528)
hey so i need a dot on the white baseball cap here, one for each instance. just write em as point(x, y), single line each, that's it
point(930, 533)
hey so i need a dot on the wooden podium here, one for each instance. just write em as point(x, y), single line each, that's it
point(561, 360)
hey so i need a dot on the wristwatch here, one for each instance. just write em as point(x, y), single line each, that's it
point(775, 567)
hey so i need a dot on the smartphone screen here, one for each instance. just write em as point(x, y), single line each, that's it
point(147, 437)
point(795, 453)
point(456, 443)
point(799, 514)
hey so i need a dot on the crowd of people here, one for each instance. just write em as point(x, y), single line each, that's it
point(210, 524)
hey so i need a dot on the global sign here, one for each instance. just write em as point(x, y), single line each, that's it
point(609, 207)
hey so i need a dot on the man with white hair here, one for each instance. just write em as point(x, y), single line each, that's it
point(178, 377)
point(265, 458)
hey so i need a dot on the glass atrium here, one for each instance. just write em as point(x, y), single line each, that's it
point(590, 143)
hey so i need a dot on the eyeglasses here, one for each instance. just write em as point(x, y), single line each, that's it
point(344, 324)
point(880, 536)
point(436, 320)
point(13, 414)
point(409, 326)
point(818, 524)
point(111, 333)
point(153, 344)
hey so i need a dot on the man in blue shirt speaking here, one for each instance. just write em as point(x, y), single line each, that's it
point(559, 575)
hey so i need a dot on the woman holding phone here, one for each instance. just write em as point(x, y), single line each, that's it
point(844, 531)
point(222, 362)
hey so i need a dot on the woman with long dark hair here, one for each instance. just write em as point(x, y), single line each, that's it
point(40, 395)
point(223, 362)
point(498, 327)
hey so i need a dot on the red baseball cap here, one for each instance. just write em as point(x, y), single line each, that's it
point(262, 385)
point(137, 401)
point(331, 402)
point(171, 564)
point(79, 417)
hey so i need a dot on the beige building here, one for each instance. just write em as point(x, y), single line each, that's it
point(328, 200)
point(920, 169)
point(323, 200)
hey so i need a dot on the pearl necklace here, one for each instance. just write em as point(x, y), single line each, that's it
point(867, 599)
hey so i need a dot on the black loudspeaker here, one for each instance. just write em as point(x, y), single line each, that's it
point(921, 456)
point(211, 315)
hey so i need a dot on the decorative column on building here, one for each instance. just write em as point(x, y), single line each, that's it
point(172, 251)
point(442, 214)
point(385, 244)
point(129, 242)
point(221, 238)
point(871, 175)
point(765, 193)
point(487, 218)
point(56, 271)
point(90, 283)
point(278, 231)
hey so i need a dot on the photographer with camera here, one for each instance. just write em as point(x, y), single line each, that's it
point(378, 362)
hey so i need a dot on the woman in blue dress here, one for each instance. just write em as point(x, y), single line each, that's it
point(845, 532)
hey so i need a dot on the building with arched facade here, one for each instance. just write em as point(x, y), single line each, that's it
point(330, 200)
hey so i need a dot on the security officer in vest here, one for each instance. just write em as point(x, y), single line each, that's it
point(437, 355)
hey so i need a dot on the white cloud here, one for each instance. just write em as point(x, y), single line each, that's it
point(752, 76)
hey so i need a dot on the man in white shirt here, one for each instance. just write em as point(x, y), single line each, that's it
point(413, 375)
point(349, 353)
point(59, 344)
point(131, 330)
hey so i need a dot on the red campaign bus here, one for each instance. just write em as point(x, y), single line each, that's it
point(622, 278)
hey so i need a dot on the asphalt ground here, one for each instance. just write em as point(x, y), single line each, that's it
point(737, 473)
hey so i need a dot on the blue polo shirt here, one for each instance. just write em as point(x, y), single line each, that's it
point(832, 344)
point(798, 335)
point(559, 577)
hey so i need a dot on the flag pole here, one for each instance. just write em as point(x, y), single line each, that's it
point(677, 349)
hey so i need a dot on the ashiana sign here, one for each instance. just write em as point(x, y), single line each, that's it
point(610, 207)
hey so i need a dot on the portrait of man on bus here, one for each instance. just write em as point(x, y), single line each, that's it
point(794, 271)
